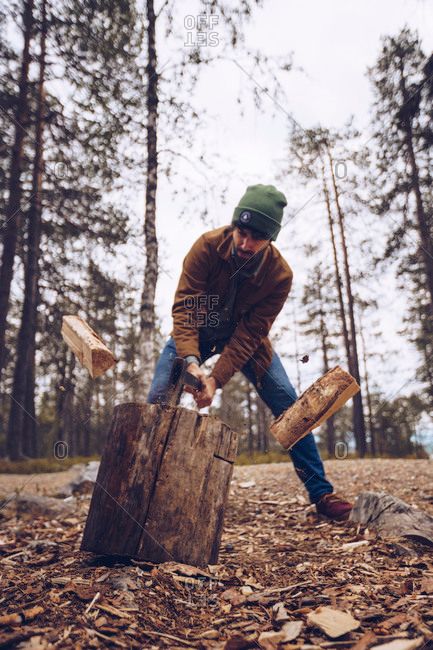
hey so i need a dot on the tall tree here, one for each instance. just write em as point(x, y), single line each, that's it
point(401, 116)
point(84, 140)
point(337, 273)
point(147, 307)
point(13, 215)
point(358, 412)
point(397, 421)
point(22, 414)
point(312, 157)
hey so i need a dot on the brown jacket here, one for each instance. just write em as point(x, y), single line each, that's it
point(205, 275)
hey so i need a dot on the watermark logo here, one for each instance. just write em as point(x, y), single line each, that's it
point(340, 169)
point(200, 30)
point(60, 449)
point(341, 450)
point(200, 310)
point(201, 594)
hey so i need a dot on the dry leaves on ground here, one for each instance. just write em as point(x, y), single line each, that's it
point(279, 567)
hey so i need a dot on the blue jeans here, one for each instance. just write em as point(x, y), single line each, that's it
point(277, 393)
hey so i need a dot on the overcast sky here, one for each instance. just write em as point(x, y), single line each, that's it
point(334, 42)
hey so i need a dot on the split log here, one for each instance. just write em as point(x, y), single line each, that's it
point(162, 486)
point(321, 400)
point(392, 517)
point(87, 346)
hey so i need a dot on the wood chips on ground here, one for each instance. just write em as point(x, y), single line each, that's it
point(278, 565)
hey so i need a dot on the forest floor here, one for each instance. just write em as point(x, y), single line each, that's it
point(278, 563)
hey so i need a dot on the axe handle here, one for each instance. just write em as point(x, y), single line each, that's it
point(192, 381)
point(178, 378)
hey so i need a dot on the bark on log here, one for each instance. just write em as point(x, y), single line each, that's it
point(392, 517)
point(87, 346)
point(321, 400)
point(162, 486)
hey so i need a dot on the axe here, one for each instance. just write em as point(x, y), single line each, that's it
point(179, 378)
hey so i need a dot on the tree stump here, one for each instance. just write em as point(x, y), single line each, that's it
point(321, 400)
point(162, 486)
point(392, 517)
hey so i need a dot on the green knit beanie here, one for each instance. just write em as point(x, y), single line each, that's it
point(261, 208)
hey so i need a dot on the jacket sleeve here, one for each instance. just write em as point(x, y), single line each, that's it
point(253, 327)
point(190, 299)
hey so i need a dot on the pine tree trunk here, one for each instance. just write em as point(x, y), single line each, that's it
point(30, 428)
point(423, 229)
point(262, 425)
point(250, 422)
point(371, 427)
point(56, 429)
point(295, 333)
point(338, 279)
point(13, 216)
point(428, 356)
point(147, 311)
point(21, 416)
point(330, 425)
point(68, 421)
point(259, 424)
point(358, 413)
point(426, 370)
point(86, 448)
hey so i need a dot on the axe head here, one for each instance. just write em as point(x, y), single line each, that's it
point(179, 378)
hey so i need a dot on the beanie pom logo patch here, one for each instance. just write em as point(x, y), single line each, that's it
point(245, 216)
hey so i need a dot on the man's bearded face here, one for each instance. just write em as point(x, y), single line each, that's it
point(248, 242)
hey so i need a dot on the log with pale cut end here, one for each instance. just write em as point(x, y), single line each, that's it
point(87, 346)
point(162, 485)
point(321, 400)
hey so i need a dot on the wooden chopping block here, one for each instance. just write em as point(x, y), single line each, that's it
point(321, 400)
point(162, 485)
point(87, 346)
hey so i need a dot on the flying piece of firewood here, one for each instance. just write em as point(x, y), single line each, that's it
point(321, 400)
point(87, 346)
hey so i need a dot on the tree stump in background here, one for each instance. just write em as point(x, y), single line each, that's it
point(162, 485)
point(392, 517)
point(321, 400)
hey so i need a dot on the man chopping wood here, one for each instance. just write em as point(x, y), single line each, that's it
point(234, 283)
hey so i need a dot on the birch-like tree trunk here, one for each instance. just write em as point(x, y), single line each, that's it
point(147, 309)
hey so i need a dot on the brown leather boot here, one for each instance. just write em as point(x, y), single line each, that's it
point(333, 507)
